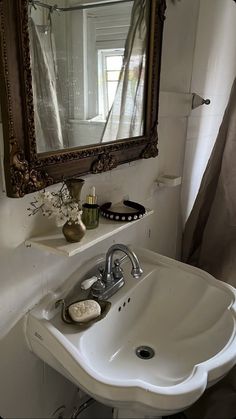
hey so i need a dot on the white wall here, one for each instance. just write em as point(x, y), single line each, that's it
point(214, 70)
point(28, 387)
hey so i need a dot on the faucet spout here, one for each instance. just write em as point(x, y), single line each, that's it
point(136, 271)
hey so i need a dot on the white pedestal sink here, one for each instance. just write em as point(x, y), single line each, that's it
point(182, 318)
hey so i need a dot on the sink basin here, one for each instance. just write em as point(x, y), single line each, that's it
point(168, 336)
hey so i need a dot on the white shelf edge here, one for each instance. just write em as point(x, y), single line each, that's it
point(56, 243)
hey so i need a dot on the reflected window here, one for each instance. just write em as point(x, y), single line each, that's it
point(109, 67)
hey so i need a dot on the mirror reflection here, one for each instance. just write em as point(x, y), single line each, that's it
point(88, 71)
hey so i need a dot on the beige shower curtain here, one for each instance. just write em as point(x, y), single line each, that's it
point(210, 243)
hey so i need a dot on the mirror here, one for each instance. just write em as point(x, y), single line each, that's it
point(83, 93)
point(80, 82)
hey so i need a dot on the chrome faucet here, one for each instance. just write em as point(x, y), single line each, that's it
point(110, 272)
point(111, 279)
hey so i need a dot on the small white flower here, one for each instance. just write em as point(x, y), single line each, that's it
point(57, 204)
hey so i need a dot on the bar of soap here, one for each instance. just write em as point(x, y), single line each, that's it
point(84, 311)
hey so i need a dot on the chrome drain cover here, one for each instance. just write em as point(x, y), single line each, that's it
point(145, 352)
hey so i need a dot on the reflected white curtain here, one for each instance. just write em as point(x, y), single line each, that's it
point(125, 118)
point(48, 112)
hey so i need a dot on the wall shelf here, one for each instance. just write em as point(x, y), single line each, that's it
point(57, 244)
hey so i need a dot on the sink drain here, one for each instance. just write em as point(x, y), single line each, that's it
point(145, 352)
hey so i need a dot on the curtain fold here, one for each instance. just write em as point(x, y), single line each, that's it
point(49, 113)
point(209, 242)
point(125, 118)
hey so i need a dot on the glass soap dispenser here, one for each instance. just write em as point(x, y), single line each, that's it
point(90, 216)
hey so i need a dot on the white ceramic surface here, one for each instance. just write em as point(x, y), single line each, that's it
point(183, 313)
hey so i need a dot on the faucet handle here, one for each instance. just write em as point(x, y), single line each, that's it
point(121, 260)
point(117, 262)
point(117, 271)
point(87, 283)
point(98, 287)
point(101, 271)
point(95, 283)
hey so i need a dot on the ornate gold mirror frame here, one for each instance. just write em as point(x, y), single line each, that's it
point(25, 170)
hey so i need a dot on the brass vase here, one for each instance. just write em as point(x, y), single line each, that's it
point(74, 186)
point(72, 231)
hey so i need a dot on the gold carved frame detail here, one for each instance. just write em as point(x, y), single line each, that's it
point(25, 170)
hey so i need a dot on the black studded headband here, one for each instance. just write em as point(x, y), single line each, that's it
point(123, 216)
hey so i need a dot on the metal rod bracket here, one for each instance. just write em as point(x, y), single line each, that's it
point(198, 101)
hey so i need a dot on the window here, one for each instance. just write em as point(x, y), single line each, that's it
point(109, 66)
